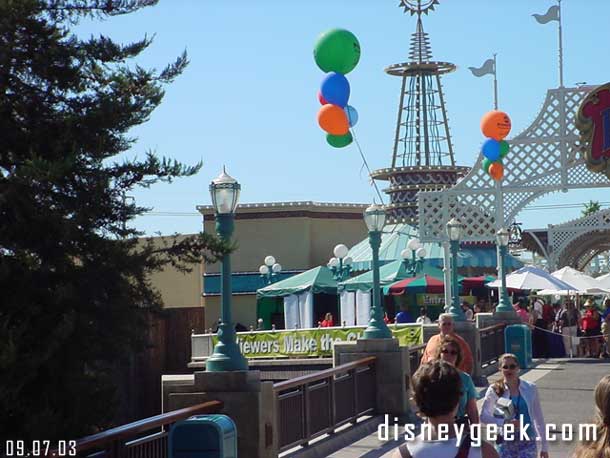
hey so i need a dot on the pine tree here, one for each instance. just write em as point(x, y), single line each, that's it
point(73, 275)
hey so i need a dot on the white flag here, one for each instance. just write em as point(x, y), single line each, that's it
point(486, 69)
point(551, 15)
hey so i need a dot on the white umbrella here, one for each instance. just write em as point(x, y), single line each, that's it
point(581, 283)
point(530, 277)
point(603, 281)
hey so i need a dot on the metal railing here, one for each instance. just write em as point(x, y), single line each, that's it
point(141, 439)
point(316, 404)
point(492, 344)
point(415, 354)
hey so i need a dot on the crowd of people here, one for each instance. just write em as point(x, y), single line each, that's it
point(583, 332)
point(445, 396)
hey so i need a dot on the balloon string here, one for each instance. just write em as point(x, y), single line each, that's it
point(366, 164)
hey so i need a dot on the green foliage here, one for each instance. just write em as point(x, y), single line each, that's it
point(591, 207)
point(74, 277)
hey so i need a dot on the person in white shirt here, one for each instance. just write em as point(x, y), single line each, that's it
point(423, 317)
point(527, 412)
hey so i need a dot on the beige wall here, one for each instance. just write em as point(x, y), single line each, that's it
point(178, 289)
point(287, 239)
point(297, 241)
point(327, 233)
point(243, 309)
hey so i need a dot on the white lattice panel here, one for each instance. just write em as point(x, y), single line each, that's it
point(544, 158)
point(562, 236)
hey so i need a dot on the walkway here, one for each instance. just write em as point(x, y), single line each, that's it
point(566, 392)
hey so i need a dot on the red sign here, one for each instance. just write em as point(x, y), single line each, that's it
point(593, 121)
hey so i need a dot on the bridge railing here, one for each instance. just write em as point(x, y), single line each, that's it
point(316, 404)
point(415, 354)
point(492, 344)
point(144, 438)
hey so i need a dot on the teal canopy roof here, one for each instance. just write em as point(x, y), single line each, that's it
point(388, 273)
point(319, 280)
point(395, 237)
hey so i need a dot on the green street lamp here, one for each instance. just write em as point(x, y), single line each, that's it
point(226, 355)
point(454, 232)
point(413, 256)
point(374, 217)
point(502, 238)
point(340, 264)
point(270, 270)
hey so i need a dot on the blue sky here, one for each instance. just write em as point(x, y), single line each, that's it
point(248, 98)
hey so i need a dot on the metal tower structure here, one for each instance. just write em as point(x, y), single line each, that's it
point(422, 158)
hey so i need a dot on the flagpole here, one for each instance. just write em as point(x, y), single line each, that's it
point(560, 48)
point(495, 84)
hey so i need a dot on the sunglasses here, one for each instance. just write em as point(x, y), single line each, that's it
point(449, 352)
point(509, 366)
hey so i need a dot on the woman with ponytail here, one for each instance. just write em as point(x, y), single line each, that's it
point(527, 411)
point(600, 446)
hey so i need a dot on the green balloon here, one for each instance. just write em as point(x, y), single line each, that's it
point(337, 50)
point(503, 148)
point(486, 163)
point(339, 141)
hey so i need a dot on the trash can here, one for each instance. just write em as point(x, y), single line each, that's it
point(203, 436)
point(518, 340)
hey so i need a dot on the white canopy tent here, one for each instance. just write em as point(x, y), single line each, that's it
point(530, 277)
point(582, 283)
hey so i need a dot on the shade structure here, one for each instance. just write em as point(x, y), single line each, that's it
point(530, 277)
point(388, 273)
point(395, 237)
point(582, 283)
point(318, 280)
point(603, 281)
point(469, 283)
point(416, 285)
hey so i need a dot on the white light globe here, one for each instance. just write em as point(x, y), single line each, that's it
point(413, 244)
point(264, 270)
point(277, 268)
point(269, 261)
point(405, 254)
point(340, 251)
point(421, 253)
point(333, 262)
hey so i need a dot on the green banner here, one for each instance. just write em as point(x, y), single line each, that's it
point(312, 342)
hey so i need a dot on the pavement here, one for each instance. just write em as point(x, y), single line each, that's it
point(566, 394)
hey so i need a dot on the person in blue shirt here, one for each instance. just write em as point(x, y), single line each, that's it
point(403, 317)
point(449, 350)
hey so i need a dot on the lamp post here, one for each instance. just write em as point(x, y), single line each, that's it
point(270, 270)
point(502, 238)
point(340, 264)
point(226, 355)
point(417, 253)
point(374, 217)
point(454, 232)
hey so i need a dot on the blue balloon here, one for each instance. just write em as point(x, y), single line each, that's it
point(352, 115)
point(491, 149)
point(335, 89)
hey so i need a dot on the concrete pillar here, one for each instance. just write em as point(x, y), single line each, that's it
point(249, 402)
point(392, 371)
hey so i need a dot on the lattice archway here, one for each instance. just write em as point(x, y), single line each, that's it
point(544, 158)
point(575, 243)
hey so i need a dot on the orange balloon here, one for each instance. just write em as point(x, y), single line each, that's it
point(496, 170)
point(495, 124)
point(333, 119)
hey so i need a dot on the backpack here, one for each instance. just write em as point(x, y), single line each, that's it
point(547, 313)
